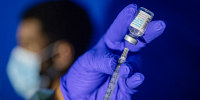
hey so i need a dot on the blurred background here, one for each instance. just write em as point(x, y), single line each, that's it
point(171, 63)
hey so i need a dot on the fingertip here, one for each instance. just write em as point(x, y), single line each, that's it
point(138, 77)
point(134, 81)
point(128, 13)
point(124, 70)
point(154, 29)
point(134, 6)
point(155, 26)
point(160, 25)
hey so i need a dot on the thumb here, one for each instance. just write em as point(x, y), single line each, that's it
point(119, 27)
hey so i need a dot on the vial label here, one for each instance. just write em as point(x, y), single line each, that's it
point(141, 20)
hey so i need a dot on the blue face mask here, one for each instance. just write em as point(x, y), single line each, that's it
point(23, 71)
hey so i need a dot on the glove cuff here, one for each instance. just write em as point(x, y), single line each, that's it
point(63, 89)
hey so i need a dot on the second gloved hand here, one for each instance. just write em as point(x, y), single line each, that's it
point(89, 76)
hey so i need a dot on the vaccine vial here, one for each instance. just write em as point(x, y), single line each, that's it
point(138, 25)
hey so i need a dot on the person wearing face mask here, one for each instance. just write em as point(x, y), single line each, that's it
point(50, 37)
point(52, 34)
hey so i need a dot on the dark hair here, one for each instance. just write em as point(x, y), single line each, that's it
point(63, 21)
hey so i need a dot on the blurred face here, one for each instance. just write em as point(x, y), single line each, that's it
point(30, 36)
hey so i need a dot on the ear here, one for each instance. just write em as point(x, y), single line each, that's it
point(64, 52)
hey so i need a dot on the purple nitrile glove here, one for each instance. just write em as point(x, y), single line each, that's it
point(89, 76)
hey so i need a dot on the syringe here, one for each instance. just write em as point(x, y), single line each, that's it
point(137, 29)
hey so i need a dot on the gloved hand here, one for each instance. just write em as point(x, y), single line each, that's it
point(89, 76)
